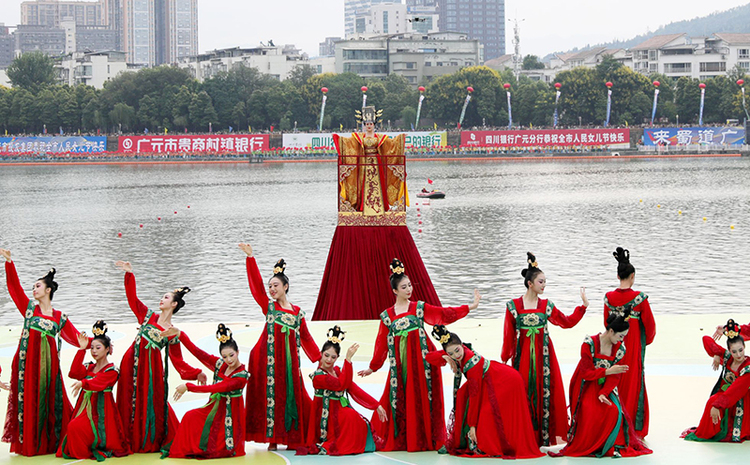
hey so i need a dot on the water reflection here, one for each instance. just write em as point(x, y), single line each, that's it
point(571, 214)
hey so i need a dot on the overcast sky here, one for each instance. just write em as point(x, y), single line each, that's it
point(548, 26)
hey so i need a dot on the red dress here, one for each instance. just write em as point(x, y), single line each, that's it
point(334, 425)
point(413, 395)
point(38, 406)
point(598, 429)
point(732, 399)
point(526, 342)
point(632, 387)
point(95, 432)
point(218, 428)
point(142, 391)
point(492, 400)
point(277, 402)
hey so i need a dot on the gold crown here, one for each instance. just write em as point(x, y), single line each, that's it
point(223, 338)
point(99, 331)
point(445, 338)
point(397, 270)
point(334, 339)
point(731, 334)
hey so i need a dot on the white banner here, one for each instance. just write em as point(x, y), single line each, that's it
point(316, 140)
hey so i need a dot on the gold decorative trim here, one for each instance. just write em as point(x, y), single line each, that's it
point(360, 219)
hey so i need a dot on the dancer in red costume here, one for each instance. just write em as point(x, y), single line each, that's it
point(600, 426)
point(335, 428)
point(632, 387)
point(277, 402)
point(413, 395)
point(724, 416)
point(490, 415)
point(218, 428)
point(95, 432)
point(38, 406)
point(147, 418)
point(527, 343)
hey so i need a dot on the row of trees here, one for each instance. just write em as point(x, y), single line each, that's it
point(169, 98)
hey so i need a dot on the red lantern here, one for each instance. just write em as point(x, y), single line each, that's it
point(740, 82)
point(702, 85)
point(324, 90)
point(558, 85)
point(421, 88)
point(657, 83)
point(608, 84)
point(470, 89)
point(364, 89)
point(506, 85)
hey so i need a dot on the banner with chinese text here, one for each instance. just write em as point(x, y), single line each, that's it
point(615, 138)
point(316, 140)
point(207, 143)
point(41, 145)
point(694, 136)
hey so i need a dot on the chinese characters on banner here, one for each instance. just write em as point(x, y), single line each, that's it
point(694, 136)
point(42, 145)
point(616, 138)
point(417, 139)
point(207, 143)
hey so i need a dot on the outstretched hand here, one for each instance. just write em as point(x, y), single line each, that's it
point(716, 363)
point(247, 248)
point(5, 254)
point(583, 297)
point(124, 266)
point(477, 297)
point(4, 386)
point(76, 387)
point(179, 391)
point(202, 378)
point(352, 350)
point(366, 372)
point(718, 333)
point(616, 370)
point(83, 341)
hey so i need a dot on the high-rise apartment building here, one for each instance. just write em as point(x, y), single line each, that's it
point(52, 12)
point(354, 8)
point(7, 45)
point(481, 19)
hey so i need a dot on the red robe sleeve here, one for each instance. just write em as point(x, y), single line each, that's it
point(361, 397)
point(308, 343)
point(227, 385)
point(443, 315)
point(586, 367)
point(77, 368)
point(380, 353)
point(745, 332)
point(333, 383)
point(735, 392)
point(712, 348)
point(136, 305)
point(558, 318)
point(204, 357)
point(647, 318)
point(257, 286)
point(185, 370)
point(15, 289)
point(436, 358)
point(474, 380)
point(509, 338)
point(101, 381)
point(70, 334)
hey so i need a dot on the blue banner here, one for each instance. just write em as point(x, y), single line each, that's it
point(694, 136)
point(42, 145)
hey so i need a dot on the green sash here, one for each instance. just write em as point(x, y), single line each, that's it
point(289, 323)
point(534, 324)
point(640, 413)
point(46, 328)
point(401, 327)
point(215, 400)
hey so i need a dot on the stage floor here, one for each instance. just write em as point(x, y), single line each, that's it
point(678, 376)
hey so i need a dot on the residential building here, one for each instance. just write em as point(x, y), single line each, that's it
point(422, 19)
point(382, 18)
point(419, 58)
point(480, 19)
point(7, 46)
point(52, 12)
point(326, 64)
point(327, 47)
point(354, 8)
point(4, 81)
point(93, 69)
point(273, 60)
point(49, 40)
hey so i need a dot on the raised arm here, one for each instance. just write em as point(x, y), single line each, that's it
point(257, 286)
point(446, 315)
point(308, 343)
point(138, 308)
point(509, 338)
point(712, 348)
point(186, 371)
point(77, 368)
point(558, 318)
point(204, 357)
point(227, 385)
point(14, 286)
point(70, 335)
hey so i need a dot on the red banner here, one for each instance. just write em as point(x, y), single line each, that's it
point(207, 143)
point(547, 138)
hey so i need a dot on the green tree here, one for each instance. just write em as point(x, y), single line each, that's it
point(446, 96)
point(31, 71)
point(408, 117)
point(122, 114)
point(22, 110)
point(67, 109)
point(532, 62)
point(299, 75)
point(202, 111)
point(46, 108)
point(4, 108)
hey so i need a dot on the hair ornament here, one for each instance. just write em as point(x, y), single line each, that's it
point(100, 328)
point(223, 334)
point(335, 334)
point(182, 290)
point(397, 267)
point(732, 329)
point(441, 334)
point(280, 267)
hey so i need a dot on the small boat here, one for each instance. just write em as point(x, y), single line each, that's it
point(434, 194)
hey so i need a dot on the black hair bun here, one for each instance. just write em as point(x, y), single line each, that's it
point(279, 267)
point(181, 291)
point(622, 255)
point(397, 268)
point(335, 334)
point(531, 260)
point(441, 333)
point(223, 334)
point(732, 329)
point(100, 328)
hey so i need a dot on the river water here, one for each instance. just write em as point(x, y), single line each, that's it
point(572, 214)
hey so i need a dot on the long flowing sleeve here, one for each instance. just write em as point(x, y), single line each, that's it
point(745, 332)
point(227, 385)
point(15, 289)
point(586, 366)
point(135, 304)
point(77, 368)
point(255, 281)
point(361, 397)
point(558, 318)
point(380, 353)
point(204, 357)
point(70, 334)
point(436, 358)
point(186, 371)
point(443, 315)
point(308, 343)
point(509, 338)
point(712, 348)
point(610, 383)
point(647, 318)
point(103, 380)
point(735, 392)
